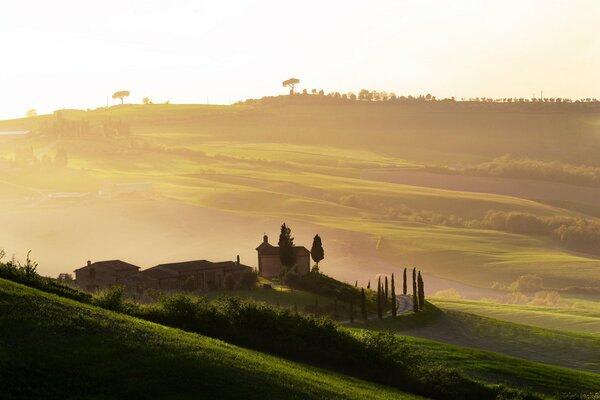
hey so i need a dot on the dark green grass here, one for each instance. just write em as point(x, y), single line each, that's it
point(52, 347)
point(469, 331)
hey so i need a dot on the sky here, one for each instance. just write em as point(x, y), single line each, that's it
point(75, 54)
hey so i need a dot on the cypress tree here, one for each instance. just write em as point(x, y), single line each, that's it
point(363, 305)
point(286, 247)
point(415, 298)
point(379, 305)
point(387, 291)
point(369, 284)
point(394, 305)
point(421, 291)
point(351, 310)
point(316, 252)
point(356, 284)
point(404, 284)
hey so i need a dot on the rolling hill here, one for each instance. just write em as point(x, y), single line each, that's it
point(315, 165)
point(51, 347)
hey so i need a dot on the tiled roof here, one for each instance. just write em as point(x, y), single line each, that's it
point(171, 270)
point(115, 265)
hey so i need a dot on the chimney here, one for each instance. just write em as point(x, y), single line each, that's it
point(265, 239)
point(89, 263)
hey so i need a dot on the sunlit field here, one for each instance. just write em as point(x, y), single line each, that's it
point(273, 162)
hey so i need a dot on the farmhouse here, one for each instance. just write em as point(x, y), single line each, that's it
point(189, 275)
point(269, 264)
point(195, 275)
point(103, 274)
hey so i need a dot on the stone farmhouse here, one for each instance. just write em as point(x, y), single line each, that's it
point(195, 275)
point(103, 274)
point(191, 275)
point(269, 264)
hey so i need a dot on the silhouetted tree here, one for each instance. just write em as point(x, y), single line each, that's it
point(248, 279)
point(355, 283)
point(404, 288)
point(387, 290)
point(363, 305)
point(291, 83)
point(421, 291)
point(316, 252)
point(415, 298)
point(120, 95)
point(379, 300)
point(286, 247)
point(369, 284)
point(393, 299)
point(351, 310)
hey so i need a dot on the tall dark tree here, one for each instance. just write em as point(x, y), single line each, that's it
point(369, 284)
point(286, 247)
point(316, 252)
point(379, 300)
point(404, 287)
point(415, 295)
point(291, 83)
point(351, 310)
point(355, 283)
point(421, 291)
point(121, 94)
point(363, 305)
point(387, 290)
point(393, 299)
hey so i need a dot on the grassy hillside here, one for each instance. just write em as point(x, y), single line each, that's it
point(576, 315)
point(313, 164)
point(566, 349)
point(46, 338)
point(501, 353)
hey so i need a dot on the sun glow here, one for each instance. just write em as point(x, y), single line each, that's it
point(221, 52)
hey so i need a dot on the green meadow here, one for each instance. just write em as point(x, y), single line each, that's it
point(122, 357)
point(574, 314)
point(306, 163)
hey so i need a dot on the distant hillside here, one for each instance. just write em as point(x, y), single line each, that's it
point(439, 131)
point(54, 348)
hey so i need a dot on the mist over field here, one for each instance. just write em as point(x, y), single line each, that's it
point(328, 200)
point(388, 184)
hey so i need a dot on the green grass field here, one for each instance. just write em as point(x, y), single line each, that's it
point(576, 315)
point(573, 350)
point(306, 164)
point(501, 353)
point(44, 339)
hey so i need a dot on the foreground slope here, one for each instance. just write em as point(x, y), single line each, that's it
point(55, 348)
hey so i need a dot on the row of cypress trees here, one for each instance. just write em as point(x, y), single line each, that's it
point(386, 296)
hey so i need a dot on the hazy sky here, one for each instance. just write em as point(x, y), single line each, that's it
point(75, 54)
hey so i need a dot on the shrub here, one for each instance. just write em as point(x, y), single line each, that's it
point(248, 279)
point(111, 298)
